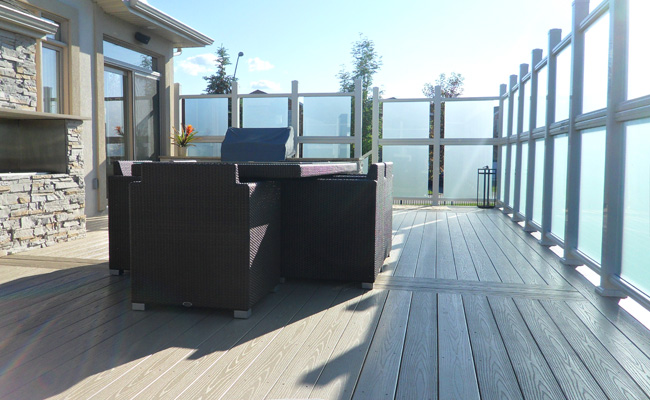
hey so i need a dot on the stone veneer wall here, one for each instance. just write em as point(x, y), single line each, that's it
point(36, 210)
point(41, 210)
point(17, 71)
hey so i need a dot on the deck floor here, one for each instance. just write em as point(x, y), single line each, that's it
point(468, 306)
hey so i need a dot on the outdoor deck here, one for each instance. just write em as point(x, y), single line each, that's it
point(468, 306)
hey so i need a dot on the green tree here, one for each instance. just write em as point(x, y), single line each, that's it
point(366, 63)
point(451, 86)
point(220, 82)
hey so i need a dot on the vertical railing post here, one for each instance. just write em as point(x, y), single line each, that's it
point(234, 100)
point(532, 124)
point(506, 193)
point(554, 37)
point(358, 118)
point(375, 125)
point(295, 116)
point(176, 122)
point(612, 248)
point(503, 88)
point(437, 123)
point(521, 98)
point(580, 12)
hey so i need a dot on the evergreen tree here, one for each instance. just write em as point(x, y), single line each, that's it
point(220, 82)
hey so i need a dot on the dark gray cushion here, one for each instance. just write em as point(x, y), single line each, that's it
point(257, 144)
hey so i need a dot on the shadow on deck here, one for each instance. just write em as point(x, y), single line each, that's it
point(468, 306)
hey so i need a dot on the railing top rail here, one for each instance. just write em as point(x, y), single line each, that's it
point(444, 99)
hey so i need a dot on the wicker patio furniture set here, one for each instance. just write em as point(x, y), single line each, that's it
point(222, 235)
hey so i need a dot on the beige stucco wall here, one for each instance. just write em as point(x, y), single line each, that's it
point(88, 26)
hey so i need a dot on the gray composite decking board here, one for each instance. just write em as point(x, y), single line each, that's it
point(59, 326)
point(29, 285)
point(506, 271)
point(46, 262)
point(496, 377)
point(526, 269)
point(484, 267)
point(380, 372)
point(211, 377)
point(128, 380)
point(301, 375)
point(542, 256)
point(48, 291)
point(445, 267)
point(613, 379)
point(573, 376)
point(10, 273)
point(35, 313)
point(534, 374)
point(262, 374)
point(19, 382)
point(399, 241)
point(465, 269)
point(635, 362)
point(409, 258)
point(398, 217)
point(480, 288)
point(426, 265)
point(418, 376)
point(456, 373)
point(339, 377)
point(190, 353)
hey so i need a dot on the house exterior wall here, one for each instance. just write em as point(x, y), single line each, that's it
point(17, 71)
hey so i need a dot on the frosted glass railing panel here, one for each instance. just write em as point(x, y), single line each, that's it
point(325, 150)
point(563, 88)
point(561, 148)
point(523, 178)
point(526, 124)
point(538, 190)
point(406, 120)
point(410, 169)
point(461, 170)
point(506, 115)
point(204, 150)
point(636, 213)
point(592, 186)
point(326, 116)
point(208, 116)
point(542, 90)
point(270, 112)
point(511, 199)
point(638, 83)
point(515, 111)
point(469, 119)
point(594, 92)
point(502, 174)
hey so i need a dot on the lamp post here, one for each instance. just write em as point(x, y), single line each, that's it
point(241, 53)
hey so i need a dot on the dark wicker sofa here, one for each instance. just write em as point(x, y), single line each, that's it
point(337, 227)
point(200, 237)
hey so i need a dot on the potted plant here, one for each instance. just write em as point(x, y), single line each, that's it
point(183, 138)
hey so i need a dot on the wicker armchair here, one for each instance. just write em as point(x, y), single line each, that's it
point(119, 238)
point(335, 227)
point(201, 238)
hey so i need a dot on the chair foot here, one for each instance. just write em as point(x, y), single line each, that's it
point(239, 314)
point(137, 306)
point(116, 271)
point(367, 285)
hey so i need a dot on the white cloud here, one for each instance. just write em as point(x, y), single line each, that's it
point(202, 64)
point(256, 64)
point(266, 86)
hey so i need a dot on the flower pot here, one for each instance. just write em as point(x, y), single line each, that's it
point(181, 151)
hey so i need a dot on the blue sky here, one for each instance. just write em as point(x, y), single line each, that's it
point(287, 40)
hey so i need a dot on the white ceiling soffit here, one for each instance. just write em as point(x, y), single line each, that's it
point(150, 19)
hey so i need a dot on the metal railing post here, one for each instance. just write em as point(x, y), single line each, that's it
point(532, 124)
point(507, 208)
point(580, 12)
point(437, 122)
point(295, 115)
point(554, 37)
point(521, 98)
point(612, 248)
point(358, 118)
point(176, 122)
point(503, 88)
point(375, 124)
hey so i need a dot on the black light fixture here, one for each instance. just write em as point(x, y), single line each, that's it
point(241, 54)
point(142, 38)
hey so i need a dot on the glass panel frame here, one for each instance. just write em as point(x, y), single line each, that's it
point(542, 89)
point(594, 88)
point(260, 112)
point(410, 169)
point(638, 83)
point(538, 192)
point(209, 116)
point(325, 150)
point(526, 116)
point(558, 208)
point(563, 85)
point(129, 56)
point(469, 119)
point(52, 77)
point(523, 178)
point(327, 116)
point(461, 173)
point(403, 120)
